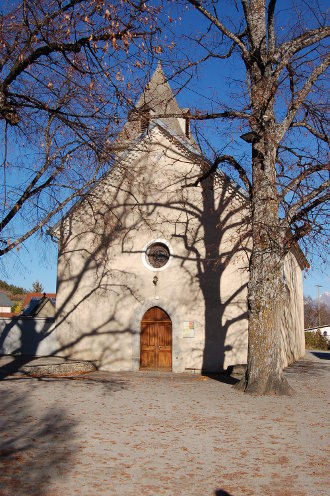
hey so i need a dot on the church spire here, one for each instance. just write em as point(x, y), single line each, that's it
point(158, 95)
point(157, 102)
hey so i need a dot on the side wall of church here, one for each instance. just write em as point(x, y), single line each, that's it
point(292, 328)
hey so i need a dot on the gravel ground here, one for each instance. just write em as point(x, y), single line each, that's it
point(164, 434)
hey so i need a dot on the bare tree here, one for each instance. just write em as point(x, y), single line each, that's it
point(279, 105)
point(37, 287)
point(312, 314)
point(62, 91)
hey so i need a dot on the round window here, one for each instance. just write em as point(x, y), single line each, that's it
point(158, 255)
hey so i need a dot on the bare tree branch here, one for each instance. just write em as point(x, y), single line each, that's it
point(270, 25)
point(302, 94)
point(231, 114)
point(313, 196)
point(20, 239)
point(312, 130)
point(220, 26)
point(304, 212)
point(213, 168)
point(294, 183)
point(287, 49)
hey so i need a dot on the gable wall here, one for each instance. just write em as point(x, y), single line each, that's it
point(103, 284)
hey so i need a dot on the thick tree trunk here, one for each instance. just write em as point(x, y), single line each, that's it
point(266, 284)
point(266, 298)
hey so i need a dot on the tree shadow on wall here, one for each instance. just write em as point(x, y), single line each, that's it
point(25, 334)
point(100, 261)
point(92, 296)
point(98, 284)
point(221, 270)
point(105, 284)
point(211, 222)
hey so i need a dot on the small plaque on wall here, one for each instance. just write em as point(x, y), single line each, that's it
point(189, 329)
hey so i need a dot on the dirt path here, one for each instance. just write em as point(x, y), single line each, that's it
point(164, 434)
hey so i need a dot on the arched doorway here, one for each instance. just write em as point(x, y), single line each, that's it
point(156, 340)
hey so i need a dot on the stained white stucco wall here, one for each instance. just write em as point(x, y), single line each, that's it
point(292, 324)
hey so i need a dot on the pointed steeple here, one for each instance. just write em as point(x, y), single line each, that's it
point(157, 102)
point(158, 95)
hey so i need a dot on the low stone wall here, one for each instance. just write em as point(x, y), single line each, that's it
point(27, 336)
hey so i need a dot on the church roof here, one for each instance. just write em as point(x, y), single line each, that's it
point(165, 114)
point(158, 95)
point(156, 102)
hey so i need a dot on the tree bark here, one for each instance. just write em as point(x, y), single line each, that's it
point(266, 298)
point(266, 290)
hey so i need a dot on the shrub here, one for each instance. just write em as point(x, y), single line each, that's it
point(16, 308)
point(316, 340)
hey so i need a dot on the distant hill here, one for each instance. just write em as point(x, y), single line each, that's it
point(11, 288)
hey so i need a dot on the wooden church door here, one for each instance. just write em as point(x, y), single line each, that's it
point(156, 340)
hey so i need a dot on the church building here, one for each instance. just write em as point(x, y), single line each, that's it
point(153, 270)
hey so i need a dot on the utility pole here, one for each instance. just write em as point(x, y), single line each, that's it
point(318, 301)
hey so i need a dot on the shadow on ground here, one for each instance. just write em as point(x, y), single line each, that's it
point(225, 377)
point(93, 379)
point(32, 450)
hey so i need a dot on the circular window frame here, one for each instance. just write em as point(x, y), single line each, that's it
point(144, 254)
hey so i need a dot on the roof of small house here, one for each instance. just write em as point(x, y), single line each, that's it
point(32, 301)
point(5, 301)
